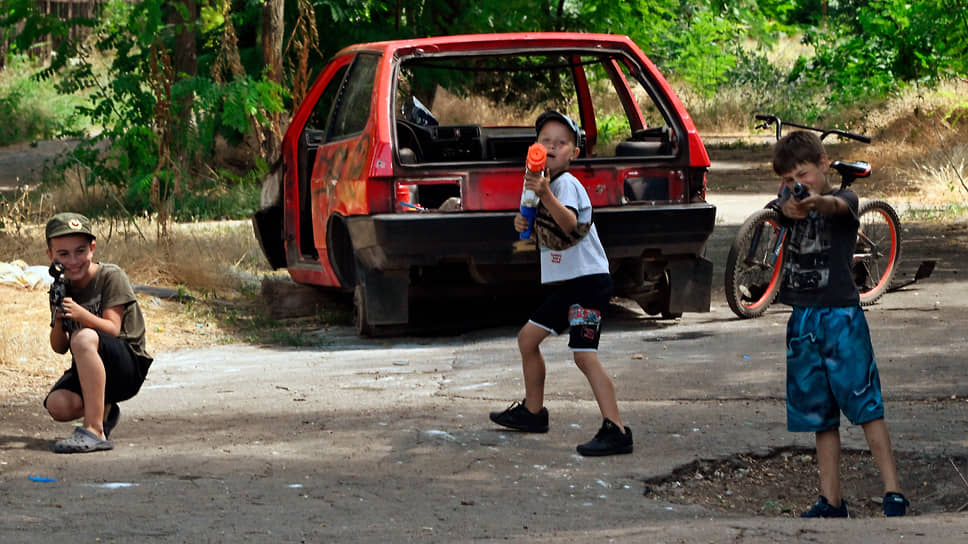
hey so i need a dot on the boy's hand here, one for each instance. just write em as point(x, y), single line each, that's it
point(798, 209)
point(537, 182)
point(520, 223)
point(73, 310)
point(826, 205)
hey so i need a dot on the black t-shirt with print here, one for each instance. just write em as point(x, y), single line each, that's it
point(818, 258)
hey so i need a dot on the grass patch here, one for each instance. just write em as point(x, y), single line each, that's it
point(31, 108)
point(936, 214)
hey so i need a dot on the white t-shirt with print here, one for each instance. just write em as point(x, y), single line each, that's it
point(585, 258)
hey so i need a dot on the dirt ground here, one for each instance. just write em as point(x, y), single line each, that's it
point(363, 440)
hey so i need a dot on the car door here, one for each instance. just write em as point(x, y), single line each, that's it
point(338, 173)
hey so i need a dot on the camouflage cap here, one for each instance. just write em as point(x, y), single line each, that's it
point(67, 223)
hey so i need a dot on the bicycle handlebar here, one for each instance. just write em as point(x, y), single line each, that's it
point(774, 120)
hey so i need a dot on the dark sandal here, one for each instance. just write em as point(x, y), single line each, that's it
point(82, 441)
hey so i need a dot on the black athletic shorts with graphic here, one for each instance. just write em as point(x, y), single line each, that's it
point(577, 305)
point(121, 367)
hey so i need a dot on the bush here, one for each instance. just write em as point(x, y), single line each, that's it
point(32, 109)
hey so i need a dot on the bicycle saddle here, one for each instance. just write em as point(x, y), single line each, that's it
point(852, 169)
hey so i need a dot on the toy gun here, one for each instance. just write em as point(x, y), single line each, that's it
point(58, 289)
point(537, 155)
point(799, 192)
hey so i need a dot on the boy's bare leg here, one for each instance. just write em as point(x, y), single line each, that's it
point(828, 459)
point(90, 372)
point(64, 405)
point(879, 442)
point(533, 365)
point(602, 386)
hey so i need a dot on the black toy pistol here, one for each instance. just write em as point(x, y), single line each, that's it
point(58, 289)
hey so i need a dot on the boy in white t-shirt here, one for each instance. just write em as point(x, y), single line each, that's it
point(573, 259)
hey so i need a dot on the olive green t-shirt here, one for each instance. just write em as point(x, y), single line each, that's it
point(108, 288)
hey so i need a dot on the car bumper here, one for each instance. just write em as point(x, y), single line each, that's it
point(399, 241)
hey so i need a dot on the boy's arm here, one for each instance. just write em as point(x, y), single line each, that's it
point(567, 219)
point(110, 323)
point(826, 205)
point(59, 340)
point(830, 205)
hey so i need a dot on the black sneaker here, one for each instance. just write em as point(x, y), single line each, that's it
point(895, 505)
point(823, 509)
point(518, 417)
point(112, 420)
point(609, 440)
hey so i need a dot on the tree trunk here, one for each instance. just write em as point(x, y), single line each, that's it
point(273, 29)
point(185, 58)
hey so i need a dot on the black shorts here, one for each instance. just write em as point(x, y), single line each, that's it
point(123, 371)
point(577, 305)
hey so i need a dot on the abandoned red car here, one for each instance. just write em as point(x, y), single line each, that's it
point(402, 170)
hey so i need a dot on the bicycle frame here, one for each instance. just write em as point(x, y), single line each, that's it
point(774, 120)
point(774, 253)
point(750, 293)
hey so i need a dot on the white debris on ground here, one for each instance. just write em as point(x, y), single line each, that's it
point(18, 274)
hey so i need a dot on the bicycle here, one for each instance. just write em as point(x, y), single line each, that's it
point(755, 262)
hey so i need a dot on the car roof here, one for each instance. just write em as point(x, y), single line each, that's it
point(495, 42)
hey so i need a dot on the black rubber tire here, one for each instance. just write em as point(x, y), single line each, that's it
point(874, 265)
point(752, 284)
point(666, 298)
point(360, 322)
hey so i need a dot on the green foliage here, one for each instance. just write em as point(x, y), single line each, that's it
point(158, 128)
point(612, 129)
point(879, 46)
point(221, 195)
point(647, 23)
point(703, 58)
point(32, 109)
point(950, 212)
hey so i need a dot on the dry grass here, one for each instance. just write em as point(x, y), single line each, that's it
point(945, 175)
point(27, 364)
point(919, 149)
point(454, 110)
point(216, 263)
point(924, 150)
point(205, 256)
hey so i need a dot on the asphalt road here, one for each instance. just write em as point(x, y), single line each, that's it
point(367, 440)
point(388, 440)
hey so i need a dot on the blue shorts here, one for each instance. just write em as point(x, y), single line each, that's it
point(830, 368)
point(578, 306)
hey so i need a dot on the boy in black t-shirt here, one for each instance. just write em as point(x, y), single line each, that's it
point(101, 324)
point(830, 359)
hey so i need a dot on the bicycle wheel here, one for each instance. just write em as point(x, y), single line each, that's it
point(754, 264)
point(878, 250)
